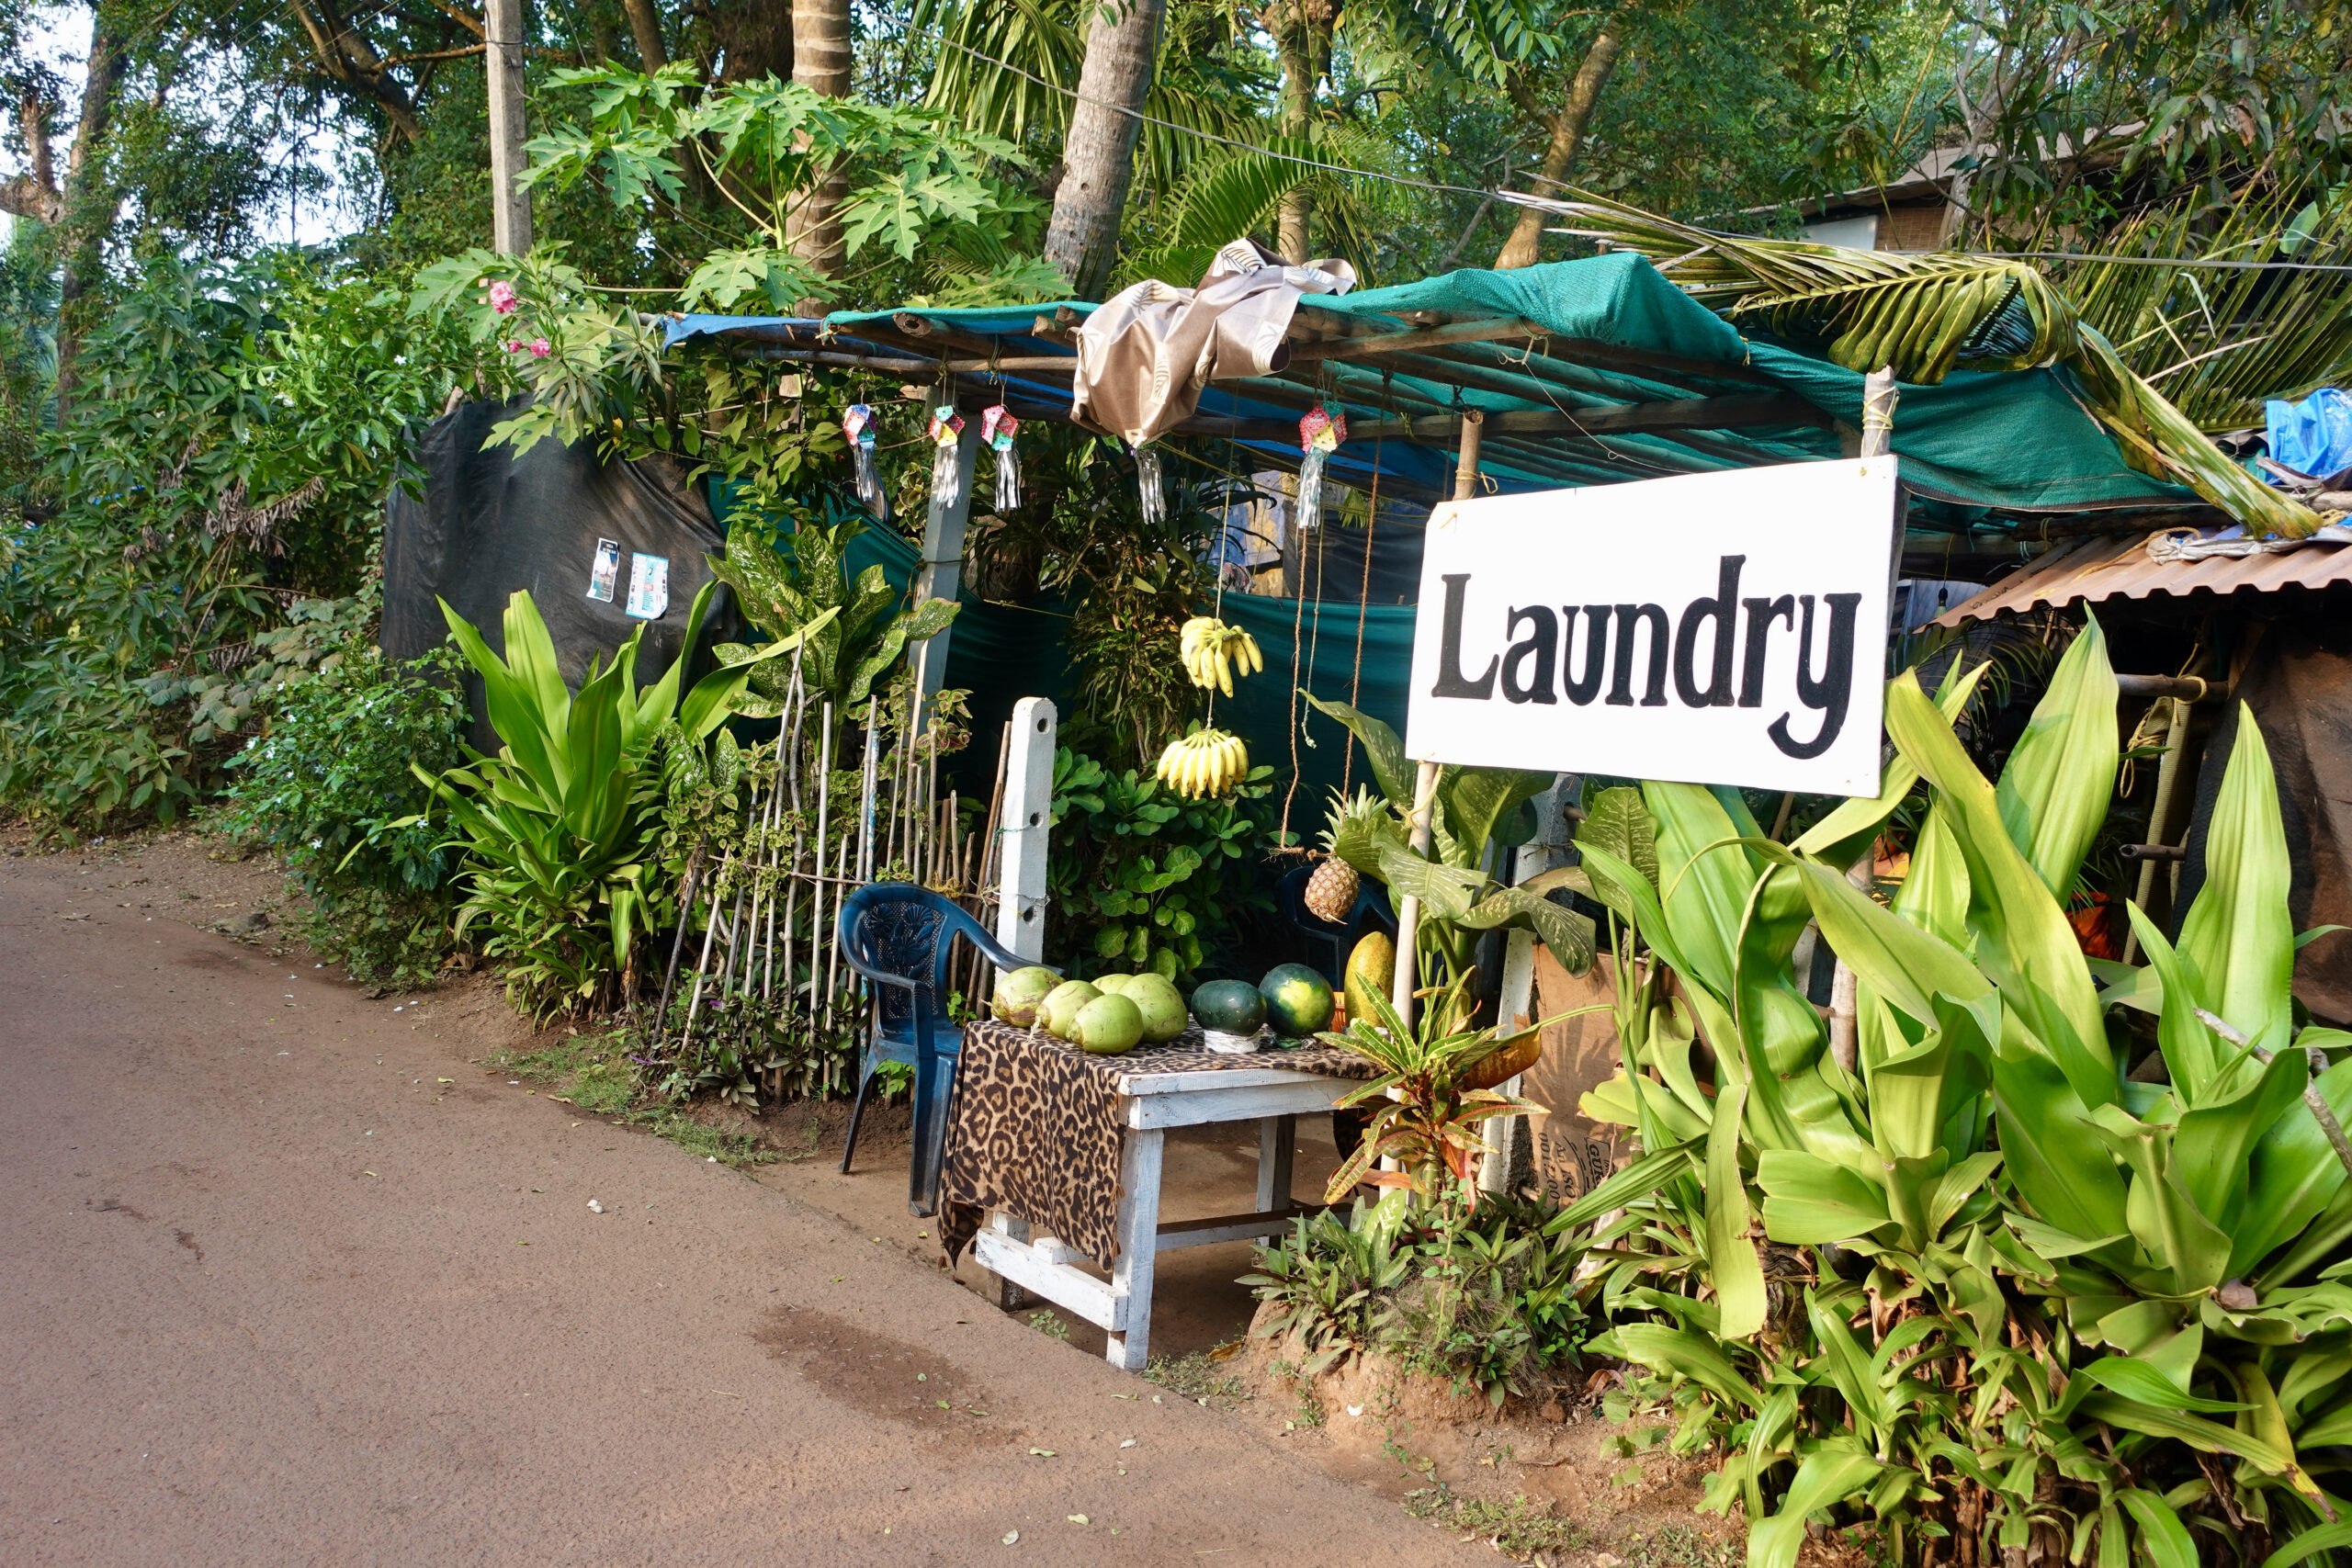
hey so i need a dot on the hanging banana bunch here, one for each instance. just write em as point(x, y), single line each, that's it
point(1207, 762)
point(1211, 650)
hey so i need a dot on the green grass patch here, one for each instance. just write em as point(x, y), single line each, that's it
point(1198, 1377)
point(1520, 1529)
point(593, 1072)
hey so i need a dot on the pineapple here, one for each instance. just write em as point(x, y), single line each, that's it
point(1331, 891)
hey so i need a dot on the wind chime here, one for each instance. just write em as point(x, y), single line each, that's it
point(857, 424)
point(997, 428)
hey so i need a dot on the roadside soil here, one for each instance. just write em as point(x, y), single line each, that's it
point(293, 1279)
point(69, 915)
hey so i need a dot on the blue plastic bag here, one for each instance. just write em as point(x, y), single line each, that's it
point(2314, 437)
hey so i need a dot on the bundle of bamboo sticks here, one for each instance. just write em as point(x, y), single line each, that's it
point(771, 1006)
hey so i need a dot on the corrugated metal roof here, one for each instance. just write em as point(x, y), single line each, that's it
point(2117, 567)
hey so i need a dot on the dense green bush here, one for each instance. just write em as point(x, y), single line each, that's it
point(227, 461)
point(329, 786)
point(1143, 878)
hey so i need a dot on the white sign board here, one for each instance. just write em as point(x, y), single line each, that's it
point(1713, 628)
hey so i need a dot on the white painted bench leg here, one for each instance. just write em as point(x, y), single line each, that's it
point(1138, 1246)
point(1277, 1143)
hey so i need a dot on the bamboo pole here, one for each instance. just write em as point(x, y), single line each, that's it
point(1845, 991)
point(816, 891)
point(1409, 912)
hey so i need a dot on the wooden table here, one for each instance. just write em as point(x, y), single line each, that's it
point(1150, 1103)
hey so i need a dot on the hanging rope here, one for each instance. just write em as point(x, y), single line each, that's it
point(1297, 621)
point(1363, 610)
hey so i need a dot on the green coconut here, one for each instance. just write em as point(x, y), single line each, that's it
point(1059, 1010)
point(1112, 985)
point(1161, 1005)
point(1018, 992)
point(1107, 1026)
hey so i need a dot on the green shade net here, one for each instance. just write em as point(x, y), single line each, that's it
point(2018, 440)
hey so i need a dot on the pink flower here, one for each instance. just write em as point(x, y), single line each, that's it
point(540, 348)
point(501, 297)
point(510, 346)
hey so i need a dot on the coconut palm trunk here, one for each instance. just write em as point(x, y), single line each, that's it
point(1099, 153)
point(821, 62)
point(1567, 135)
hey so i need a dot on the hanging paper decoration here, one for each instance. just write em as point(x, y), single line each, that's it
point(857, 423)
point(1150, 489)
point(997, 428)
point(946, 472)
point(1319, 435)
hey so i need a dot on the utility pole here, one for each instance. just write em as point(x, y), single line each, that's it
point(510, 208)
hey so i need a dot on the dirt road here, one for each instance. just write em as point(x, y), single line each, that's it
point(290, 1280)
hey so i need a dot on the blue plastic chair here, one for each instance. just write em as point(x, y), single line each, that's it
point(901, 937)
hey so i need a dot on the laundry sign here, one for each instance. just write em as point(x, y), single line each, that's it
point(1713, 629)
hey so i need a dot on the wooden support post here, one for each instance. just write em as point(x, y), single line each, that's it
point(1548, 848)
point(1128, 1347)
point(1878, 439)
point(2160, 826)
point(1277, 1151)
point(1408, 914)
point(942, 546)
point(1028, 796)
point(510, 208)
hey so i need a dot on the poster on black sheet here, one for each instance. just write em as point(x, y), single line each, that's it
point(1724, 628)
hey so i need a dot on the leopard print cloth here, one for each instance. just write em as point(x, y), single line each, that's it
point(1035, 1128)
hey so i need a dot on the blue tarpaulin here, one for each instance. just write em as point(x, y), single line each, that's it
point(2314, 437)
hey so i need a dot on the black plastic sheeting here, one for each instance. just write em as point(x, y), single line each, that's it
point(1327, 565)
point(491, 523)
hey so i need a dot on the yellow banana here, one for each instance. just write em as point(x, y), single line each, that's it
point(1249, 646)
point(1224, 673)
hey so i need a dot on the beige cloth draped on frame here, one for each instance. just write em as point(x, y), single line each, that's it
point(1144, 355)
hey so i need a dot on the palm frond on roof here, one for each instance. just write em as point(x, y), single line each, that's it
point(1924, 316)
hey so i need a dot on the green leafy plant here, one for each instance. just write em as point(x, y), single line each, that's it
point(2004, 1290)
point(557, 827)
point(1143, 879)
point(1470, 808)
point(852, 634)
point(1487, 1296)
point(329, 785)
point(1425, 1111)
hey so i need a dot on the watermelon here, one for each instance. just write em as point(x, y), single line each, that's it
point(1232, 1006)
point(1298, 1000)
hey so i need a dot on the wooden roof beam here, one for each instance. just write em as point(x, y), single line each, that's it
point(1633, 418)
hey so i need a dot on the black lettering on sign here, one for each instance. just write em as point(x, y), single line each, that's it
point(1583, 688)
point(1721, 613)
point(1828, 694)
point(1450, 681)
point(1630, 619)
point(1543, 644)
point(1761, 614)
